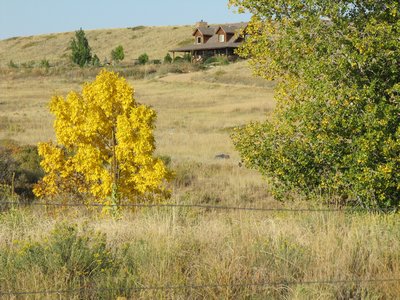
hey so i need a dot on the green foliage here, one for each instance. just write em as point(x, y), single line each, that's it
point(12, 64)
point(44, 63)
point(167, 59)
point(73, 258)
point(143, 59)
point(178, 59)
point(156, 62)
point(187, 57)
point(117, 54)
point(335, 130)
point(28, 65)
point(217, 60)
point(19, 168)
point(96, 61)
point(81, 52)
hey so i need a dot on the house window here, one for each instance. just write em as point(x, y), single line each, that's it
point(198, 40)
point(221, 38)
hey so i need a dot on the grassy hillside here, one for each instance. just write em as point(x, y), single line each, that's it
point(155, 41)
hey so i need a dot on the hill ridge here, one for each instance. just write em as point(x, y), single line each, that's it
point(153, 40)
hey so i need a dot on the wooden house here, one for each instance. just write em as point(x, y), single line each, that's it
point(214, 40)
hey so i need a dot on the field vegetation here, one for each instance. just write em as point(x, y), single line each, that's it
point(216, 254)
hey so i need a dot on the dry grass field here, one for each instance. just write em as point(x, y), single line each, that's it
point(90, 256)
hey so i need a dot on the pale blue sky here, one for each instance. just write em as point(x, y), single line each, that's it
point(31, 17)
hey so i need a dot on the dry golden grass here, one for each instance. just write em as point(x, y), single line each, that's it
point(195, 246)
point(194, 116)
point(172, 247)
point(155, 41)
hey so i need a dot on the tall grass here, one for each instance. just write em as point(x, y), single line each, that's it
point(175, 247)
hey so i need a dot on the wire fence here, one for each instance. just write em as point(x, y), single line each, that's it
point(202, 286)
point(199, 206)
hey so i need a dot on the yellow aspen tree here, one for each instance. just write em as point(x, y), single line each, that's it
point(104, 146)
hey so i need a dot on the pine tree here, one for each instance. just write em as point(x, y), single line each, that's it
point(81, 52)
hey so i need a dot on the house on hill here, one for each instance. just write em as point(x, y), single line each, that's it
point(214, 40)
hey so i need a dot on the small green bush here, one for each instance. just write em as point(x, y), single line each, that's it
point(28, 65)
point(96, 61)
point(143, 59)
point(74, 258)
point(12, 64)
point(178, 59)
point(118, 54)
point(167, 59)
point(217, 60)
point(44, 63)
point(19, 168)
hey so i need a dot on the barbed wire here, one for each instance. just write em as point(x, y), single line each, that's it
point(202, 286)
point(200, 206)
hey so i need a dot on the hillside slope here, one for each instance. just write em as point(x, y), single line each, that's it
point(155, 41)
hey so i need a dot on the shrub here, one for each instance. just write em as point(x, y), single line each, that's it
point(167, 59)
point(117, 54)
point(187, 57)
point(19, 168)
point(12, 64)
point(44, 63)
point(217, 60)
point(143, 59)
point(96, 61)
point(28, 65)
point(178, 59)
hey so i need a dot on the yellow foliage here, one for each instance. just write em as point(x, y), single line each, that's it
point(104, 140)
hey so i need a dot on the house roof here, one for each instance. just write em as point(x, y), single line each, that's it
point(205, 30)
point(232, 28)
point(212, 42)
point(206, 46)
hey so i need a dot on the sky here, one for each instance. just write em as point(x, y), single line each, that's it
point(33, 17)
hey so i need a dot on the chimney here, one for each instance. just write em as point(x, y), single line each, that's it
point(201, 24)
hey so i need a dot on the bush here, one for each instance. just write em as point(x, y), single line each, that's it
point(19, 168)
point(12, 64)
point(217, 60)
point(178, 59)
point(44, 63)
point(167, 59)
point(96, 61)
point(117, 54)
point(187, 57)
point(143, 59)
point(28, 65)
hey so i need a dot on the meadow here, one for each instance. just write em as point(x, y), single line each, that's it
point(194, 253)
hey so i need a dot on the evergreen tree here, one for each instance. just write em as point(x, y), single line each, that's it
point(81, 52)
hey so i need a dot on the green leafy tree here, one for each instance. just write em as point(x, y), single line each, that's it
point(81, 52)
point(143, 59)
point(117, 54)
point(335, 130)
